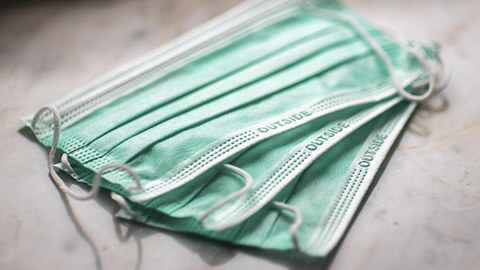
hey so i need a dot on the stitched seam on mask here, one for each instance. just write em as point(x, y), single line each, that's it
point(322, 237)
point(335, 217)
point(341, 206)
point(348, 194)
point(347, 197)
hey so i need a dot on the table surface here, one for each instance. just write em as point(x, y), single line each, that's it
point(424, 212)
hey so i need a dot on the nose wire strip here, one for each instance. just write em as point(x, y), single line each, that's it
point(98, 176)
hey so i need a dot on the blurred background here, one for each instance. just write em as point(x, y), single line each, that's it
point(424, 212)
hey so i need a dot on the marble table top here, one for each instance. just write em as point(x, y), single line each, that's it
point(424, 212)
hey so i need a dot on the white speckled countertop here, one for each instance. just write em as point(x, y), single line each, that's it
point(424, 212)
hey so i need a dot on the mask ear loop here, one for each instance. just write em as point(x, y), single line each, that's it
point(114, 196)
point(248, 184)
point(53, 148)
point(296, 224)
point(64, 159)
point(65, 163)
point(442, 76)
point(380, 53)
point(442, 72)
point(122, 203)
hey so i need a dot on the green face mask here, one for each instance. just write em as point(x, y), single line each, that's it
point(253, 89)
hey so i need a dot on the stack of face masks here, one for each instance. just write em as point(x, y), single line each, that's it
point(263, 127)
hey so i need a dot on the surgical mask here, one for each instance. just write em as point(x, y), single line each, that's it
point(166, 112)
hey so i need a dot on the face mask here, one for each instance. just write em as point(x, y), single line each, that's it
point(311, 214)
point(176, 115)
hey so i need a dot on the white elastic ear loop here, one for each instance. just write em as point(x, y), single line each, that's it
point(56, 135)
point(98, 176)
point(51, 166)
point(64, 160)
point(442, 72)
point(380, 52)
point(120, 200)
point(116, 197)
point(296, 224)
point(248, 184)
point(122, 203)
